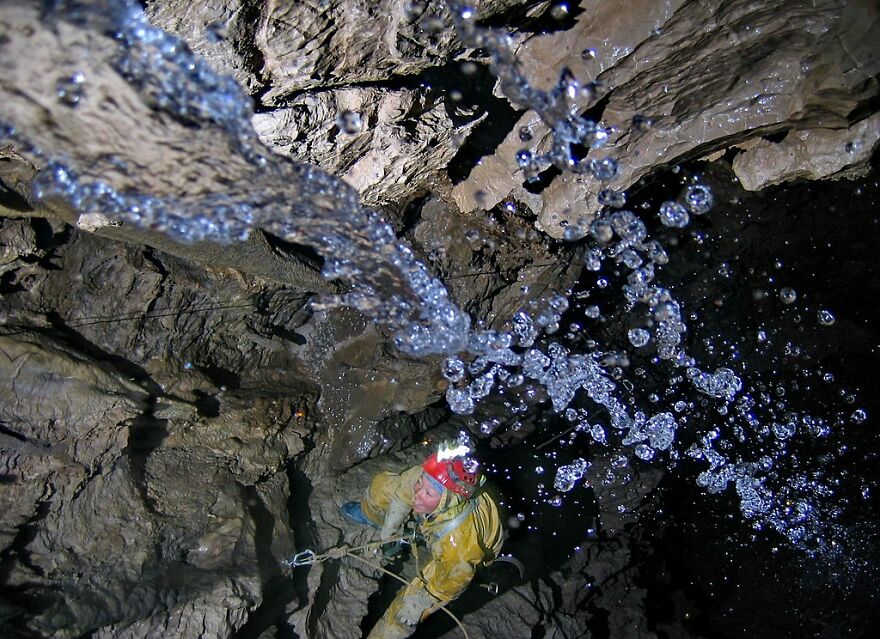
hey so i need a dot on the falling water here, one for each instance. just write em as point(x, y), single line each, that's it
point(302, 204)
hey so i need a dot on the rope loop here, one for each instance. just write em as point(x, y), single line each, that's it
point(308, 557)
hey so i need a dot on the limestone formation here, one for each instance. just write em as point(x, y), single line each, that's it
point(811, 154)
point(396, 141)
point(700, 77)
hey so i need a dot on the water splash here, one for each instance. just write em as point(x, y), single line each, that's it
point(297, 202)
point(302, 204)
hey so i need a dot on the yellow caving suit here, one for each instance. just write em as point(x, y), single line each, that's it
point(455, 554)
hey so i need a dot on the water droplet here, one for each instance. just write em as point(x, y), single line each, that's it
point(644, 452)
point(604, 169)
point(559, 11)
point(469, 68)
point(674, 215)
point(826, 317)
point(350, 122)
point(567, 476)
point(588, 54)
point(784, 431)
point(453, 369)
point(524, 158)
point(642, 122)
point(787, 295)
point(70, 89)
point(699, 199)
point(467, 13)
point(859, 416)
point(638, 337)
point(601, 230)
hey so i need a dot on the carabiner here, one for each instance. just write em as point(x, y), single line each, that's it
point(303, 558)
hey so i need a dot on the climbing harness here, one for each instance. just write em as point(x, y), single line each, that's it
point(309, 557)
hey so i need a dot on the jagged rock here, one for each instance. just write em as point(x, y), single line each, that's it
point(312, 64)
point(43, 451)
point(18, 240)
point(601, 37)
point(224, 33)
point(811, 154)
point(698, 79)
point(360, 385)
point(515, 615)
point(219, 612)
point(398, 139)
point(284, 49)
point(492, 266)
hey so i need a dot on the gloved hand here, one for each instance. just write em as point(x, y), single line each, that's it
point(414, 605)
point(396, 514)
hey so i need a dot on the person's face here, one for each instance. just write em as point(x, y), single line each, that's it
point(426, 497)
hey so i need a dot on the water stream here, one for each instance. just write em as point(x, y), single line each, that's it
point(529, 357)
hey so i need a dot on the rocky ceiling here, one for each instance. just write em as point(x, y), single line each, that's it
point(176, 419)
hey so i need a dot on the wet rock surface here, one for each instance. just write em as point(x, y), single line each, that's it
point(178, 419)
point(700, 78)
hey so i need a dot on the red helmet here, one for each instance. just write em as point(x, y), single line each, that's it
point(458, 474)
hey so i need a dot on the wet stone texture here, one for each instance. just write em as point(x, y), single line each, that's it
point(701, 77)
point(178, 419)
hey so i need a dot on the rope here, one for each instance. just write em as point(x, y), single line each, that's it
point(308, 557)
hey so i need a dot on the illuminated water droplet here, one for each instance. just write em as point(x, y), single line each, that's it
point(604, 169)
point(638, 337)
point(699, 199)
point(826, 317)
point(349, 122)
point(559, 11)
point(674, 215)
point(787, 295)
point(70, 89)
